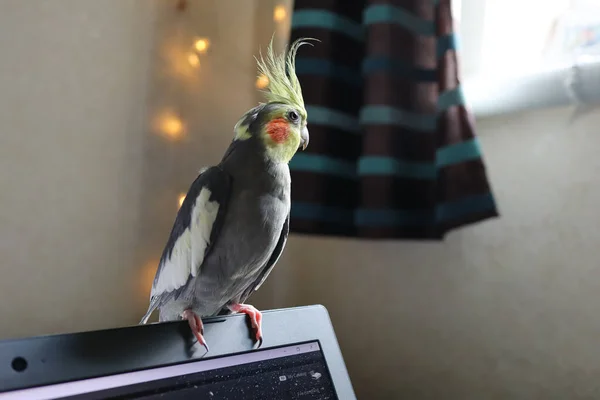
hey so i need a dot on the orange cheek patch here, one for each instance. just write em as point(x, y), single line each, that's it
point(278, 129)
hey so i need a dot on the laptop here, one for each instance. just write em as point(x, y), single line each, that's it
point(299, 359)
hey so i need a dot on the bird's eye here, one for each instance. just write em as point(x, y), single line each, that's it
point(293, 116)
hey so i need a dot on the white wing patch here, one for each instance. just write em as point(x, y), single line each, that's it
point(188, 251)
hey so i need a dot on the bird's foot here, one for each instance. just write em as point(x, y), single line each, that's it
point(255, 319)
point(196, 326)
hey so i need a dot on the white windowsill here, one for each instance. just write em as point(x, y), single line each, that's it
point(489, 94)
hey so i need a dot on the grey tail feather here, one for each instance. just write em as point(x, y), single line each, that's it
point(148, 314)
point(145, 318)
point(156, 302)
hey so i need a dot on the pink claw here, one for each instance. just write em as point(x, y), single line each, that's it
point(196, 326)
point(255, 318)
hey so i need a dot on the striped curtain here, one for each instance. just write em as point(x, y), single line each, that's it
point(393, 152)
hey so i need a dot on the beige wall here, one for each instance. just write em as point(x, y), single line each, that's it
point(503, 310)
point(73, 84)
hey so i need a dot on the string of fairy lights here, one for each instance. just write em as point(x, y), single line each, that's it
point(171, 125)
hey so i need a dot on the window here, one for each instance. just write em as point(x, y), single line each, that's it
point(528, 53)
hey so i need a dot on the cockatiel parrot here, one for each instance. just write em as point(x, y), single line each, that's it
point(233, 224)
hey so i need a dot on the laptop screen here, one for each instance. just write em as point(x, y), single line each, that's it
point(296, 371)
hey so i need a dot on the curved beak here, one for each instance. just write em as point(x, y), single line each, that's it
point(304, 138)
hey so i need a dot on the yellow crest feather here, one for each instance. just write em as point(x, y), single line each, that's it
point(280, 70)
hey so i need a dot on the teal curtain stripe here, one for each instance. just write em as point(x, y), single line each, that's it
point(318, 115)
point(451, 211)
point(316, 18)
point(354, 76)
point(364, 217)
point(445, 212)
point(317, 163)
point(317, 66)
point(398, 67)
point(445, 156)
point(446, 43)
point(385, 115)
point(318, 212)
point(350, 75)
point(377, 165)
point(457, 153)
point(451, 98)
point(387, 166)
point(385, 13)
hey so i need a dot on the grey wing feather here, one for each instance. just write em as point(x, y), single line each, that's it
point(272, 260)
point(194, 232)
